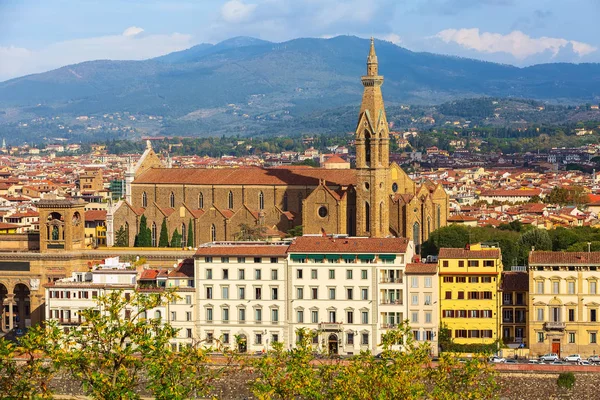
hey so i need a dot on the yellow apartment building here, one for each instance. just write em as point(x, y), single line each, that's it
point(469, 297)
point(564, 303)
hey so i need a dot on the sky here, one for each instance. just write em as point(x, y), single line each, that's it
point(40, 35)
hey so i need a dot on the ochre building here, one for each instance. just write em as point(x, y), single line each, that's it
point(375, 199)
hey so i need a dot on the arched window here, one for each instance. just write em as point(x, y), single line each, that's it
point(439, 216)
point(367, 217)
point(144, 200)
point(261, 201)
point(381, 218)
point(183, 235)
point(380, 150)
point(428, 227)
point(230, 200)
point(367, 147)
point(285, 201)
point(201, 201)
point(157, 315)
point(213, 233)
point(154, 234)
point(417, 237)
point(172, 200)
point(127, 233)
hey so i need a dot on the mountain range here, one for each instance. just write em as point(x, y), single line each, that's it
point(256, 77)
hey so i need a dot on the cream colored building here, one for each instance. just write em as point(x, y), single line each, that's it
point(564, 303)
point(423, 303)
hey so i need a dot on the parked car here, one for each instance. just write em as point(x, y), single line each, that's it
point(573, 358)
point(558, 362)
point(511, 361)
point(534, 361)
point(497, 360)
point(594, 359)
point(583, 362)
point(549, 357)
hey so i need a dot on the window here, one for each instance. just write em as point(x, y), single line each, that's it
point(258, 293)
point(540, 287)
point(593, 315)
point(242, 292)
point(226, 338)
point(364, 274)
point(571, 287)
point(331, 293)
point(275, 338)
point(350, 317)
point(257, 274)
point(414, 299)
point(540, 337)
point(461, 295)
point(241, 260)
point(200, 201)
point(593, 337)
point(571, 337)
point(461, 279)
point(473, 263)
point(364, 339)
point(274, 260)
point(448, 295)
point(257, 260)
point(314, 293)
point(241, 315)
point(488, 263)
point(209, 315)
point(364, 294)
point(258, 338)
point(313, 274)
point(188, 333)
point(188, 316)
point(414, 281)
point(274, 315)
point(285, 202)
point(209, 294)
point(241, 274)
point(348, 274)
point(486, 279)
point(314, 316)
point(571, 314)
point(225, 314)
point(540, 314)
point(555, 286)
point(225, 292)
point(213, 233)
point(274, 274)
point(428, 281)
point(332, 274)
point(473, 279)
point(258, 315)
point(427, 299)
point(230, 200)
point(414, 317)
point(592, 287)
point(172, 200)
point(153, 235)
point(349, 294)
point(507, 299)
point(144, 200)
point(350, 338)
point(428, 318)
point(274, 292)
point(261, 201)
point(300, 316)
point(298, 274)
point(445, 263)
point(364, 317)
point(416, 335)
point(461, 263)
point(448, 279)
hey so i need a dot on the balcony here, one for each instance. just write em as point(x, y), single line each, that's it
point(391, 302)
point(68, 321)
point(390, 280)
point(389, 326)
point(554, 326)
point(330, 326)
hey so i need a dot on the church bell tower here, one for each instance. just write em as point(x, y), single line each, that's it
point(372, 156)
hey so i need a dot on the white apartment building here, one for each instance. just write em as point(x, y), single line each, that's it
point(241, 294)
point(423, 306)
point(348, 291)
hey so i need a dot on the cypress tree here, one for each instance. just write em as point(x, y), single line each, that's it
point(163, 240)
point(144, 236)
point(176, 239)
point(190, 236)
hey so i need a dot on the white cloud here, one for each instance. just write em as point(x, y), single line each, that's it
point(236, 11)
point(130, 45)
point(515, 43)
point(391, 37)
point(132, 31)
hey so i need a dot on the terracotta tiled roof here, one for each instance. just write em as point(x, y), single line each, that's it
point(461, 218)
point(515, 281)
point(262, 250)
point(462, 253)
point(564, 258)
point(421, 269)
point(335, 159)
point(4, 225)
point(319, 244)
point(95, 215)
point(185, 269)
point(148, 275)
point(247, 176)
point(508, 192)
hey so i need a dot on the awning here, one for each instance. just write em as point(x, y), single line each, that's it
point(348, 256)
point(332, 256)
point(297, 257)
point(391, 257)
point(316, 256)
point(366, 257)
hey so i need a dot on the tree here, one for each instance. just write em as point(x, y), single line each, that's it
point(163, 240)
point(176, 239)
point(190, 236)
point(534, 238)
point(121, 239)
point(144, 236)
point(250, 233)
point(295, 231)
point(456, 236)
point(39, 353)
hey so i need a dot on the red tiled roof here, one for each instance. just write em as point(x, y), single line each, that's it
point(185, 269)
point(242, 250)
point(461, 218)
point(247, 176)
point(148, 274)
point(508, 192)
point(462, 253)
point(335, 159)
point(95, 215)
point(564, 258)
point(515, 281)
point(421, 269)
point(4, 225)
point(320, 244)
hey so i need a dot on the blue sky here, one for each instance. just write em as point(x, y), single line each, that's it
point(38, 35)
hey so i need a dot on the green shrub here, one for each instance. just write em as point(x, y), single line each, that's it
point(566, 380)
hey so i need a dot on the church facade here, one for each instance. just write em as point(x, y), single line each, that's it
point(375, 199)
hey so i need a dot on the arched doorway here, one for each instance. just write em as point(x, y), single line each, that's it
point(242, 343)
point(23, 306)
point(4, 321)
point(333, 344)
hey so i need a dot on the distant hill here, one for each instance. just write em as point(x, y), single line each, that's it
point(258, 79)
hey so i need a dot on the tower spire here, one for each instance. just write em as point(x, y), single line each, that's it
point(372, 64)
